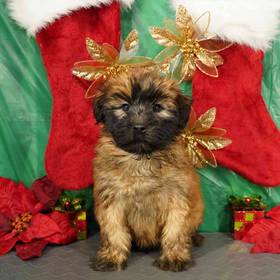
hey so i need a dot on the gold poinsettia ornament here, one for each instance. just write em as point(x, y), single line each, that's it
point(107, 61)
point(201, 138)
point(188, 46)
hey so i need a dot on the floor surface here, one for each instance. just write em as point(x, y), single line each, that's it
point(220, 258)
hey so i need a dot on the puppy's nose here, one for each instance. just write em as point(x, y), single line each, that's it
point(139, 128)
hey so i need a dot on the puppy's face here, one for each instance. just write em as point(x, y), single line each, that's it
point(142, 111)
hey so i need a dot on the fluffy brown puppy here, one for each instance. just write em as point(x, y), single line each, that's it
point(145, 190)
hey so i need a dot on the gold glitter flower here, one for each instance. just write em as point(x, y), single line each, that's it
point(108, 62)
point(187, 46)
point(200, 138)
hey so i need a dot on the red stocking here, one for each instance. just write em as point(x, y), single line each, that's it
point(73, 132)
point(255, 151)
point(61, 28)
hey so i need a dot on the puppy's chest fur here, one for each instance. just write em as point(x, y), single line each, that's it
point(136, 177)
point(127, 177)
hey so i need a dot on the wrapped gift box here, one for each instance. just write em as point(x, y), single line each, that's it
point(78, 220)
point(76, 212)
point(243, 220)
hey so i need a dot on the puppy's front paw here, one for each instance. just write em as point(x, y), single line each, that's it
point(173, 265)
point(106, 265)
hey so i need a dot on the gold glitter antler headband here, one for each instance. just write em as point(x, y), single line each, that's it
point(201, 138)
point(188, 47)
point(108, 62)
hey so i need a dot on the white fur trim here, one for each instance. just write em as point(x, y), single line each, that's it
point(250, 22)
point(34, 15)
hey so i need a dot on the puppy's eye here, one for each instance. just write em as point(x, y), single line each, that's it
point(125, 107)
point(157, 108)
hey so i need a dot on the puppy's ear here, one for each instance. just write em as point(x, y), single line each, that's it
point(98, 108)
point(184, 106)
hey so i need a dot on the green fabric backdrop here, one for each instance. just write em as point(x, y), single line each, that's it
point(25, 110)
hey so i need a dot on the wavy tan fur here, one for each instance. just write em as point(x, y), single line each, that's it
point(152, 200)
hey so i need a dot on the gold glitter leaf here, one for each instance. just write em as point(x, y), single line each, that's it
point(206, 59)
point(189, 70)
point(88, 73)
point(196, 156)
point(205, 121)
point(183, 19)
point(94, 49)
point(213, 142)
point(200, 139)
point(163, 36)
point(218, 60)
point(131, 41)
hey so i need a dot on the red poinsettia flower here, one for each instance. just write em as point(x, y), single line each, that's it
point(265, 233)
point(23, 226)
point(46, 192)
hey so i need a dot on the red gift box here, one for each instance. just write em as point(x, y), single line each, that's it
point(78, 220)
point(244, 220)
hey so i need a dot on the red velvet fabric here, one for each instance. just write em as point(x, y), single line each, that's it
point(255, 151)
point(74, 132)
point(265, 234)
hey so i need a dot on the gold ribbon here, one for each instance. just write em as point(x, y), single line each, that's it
point(108, 62)
point(188, 47)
